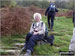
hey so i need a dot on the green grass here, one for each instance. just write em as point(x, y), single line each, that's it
point(10, 40)
point(64, 28)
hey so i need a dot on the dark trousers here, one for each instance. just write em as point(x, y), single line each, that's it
point(51, 21)
point(73, 22)
point(31, 40)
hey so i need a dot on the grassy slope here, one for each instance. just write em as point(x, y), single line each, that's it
point(63, 26)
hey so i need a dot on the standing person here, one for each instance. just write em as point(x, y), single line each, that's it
point(72, 44)
point(51, 11)
point(37, 33)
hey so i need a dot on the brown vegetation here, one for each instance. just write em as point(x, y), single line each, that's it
point(18, 19)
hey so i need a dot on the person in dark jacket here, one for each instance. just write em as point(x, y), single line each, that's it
point(51, 15)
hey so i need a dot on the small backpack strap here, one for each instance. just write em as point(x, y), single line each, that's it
point(41, 24)
point(33, 25)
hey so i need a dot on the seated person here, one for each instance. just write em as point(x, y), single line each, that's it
point(37, 33)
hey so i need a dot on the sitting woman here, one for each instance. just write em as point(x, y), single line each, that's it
point(37, 33)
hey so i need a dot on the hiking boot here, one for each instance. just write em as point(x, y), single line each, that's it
point(23, 49)
point(28, 53)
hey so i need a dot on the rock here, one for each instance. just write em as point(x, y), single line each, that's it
point(39, 43)
point(19, 45)
point(9, 52)
point(6, 48)
point(72, 44)
point(6, 52)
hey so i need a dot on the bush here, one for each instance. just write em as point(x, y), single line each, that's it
point(5, 3)
point(8, 3)
point(13, 3)
point(69, 14)
point(42, 4)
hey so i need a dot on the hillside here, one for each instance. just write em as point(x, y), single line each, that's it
point(17, 19)
point(62, 31)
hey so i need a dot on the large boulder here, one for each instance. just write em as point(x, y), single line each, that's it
point(72, 44)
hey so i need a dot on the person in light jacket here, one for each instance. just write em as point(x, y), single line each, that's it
point(72, 43)
point(37, 33)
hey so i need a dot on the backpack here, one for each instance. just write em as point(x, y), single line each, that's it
point(52, 8)
point(46, 29)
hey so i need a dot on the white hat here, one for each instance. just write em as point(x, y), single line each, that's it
point(38, 15)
